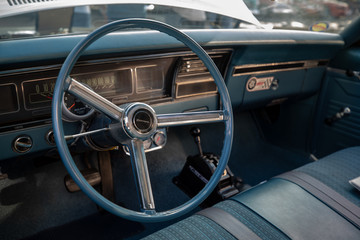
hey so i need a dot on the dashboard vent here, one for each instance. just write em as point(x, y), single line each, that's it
point(192, 65)
point(23, 2)
point(193, 77)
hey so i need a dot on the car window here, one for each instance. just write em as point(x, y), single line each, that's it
point(311, 15)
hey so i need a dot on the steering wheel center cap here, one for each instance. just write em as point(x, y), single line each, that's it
point(143, 120)
point(139, 120)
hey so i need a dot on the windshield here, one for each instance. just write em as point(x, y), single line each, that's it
point(310, 15)
point(20, 18)
point(30, 18)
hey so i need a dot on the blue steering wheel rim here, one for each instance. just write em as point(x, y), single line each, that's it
point(61, 86)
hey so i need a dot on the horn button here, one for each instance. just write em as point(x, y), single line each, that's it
point(143, 120)
point(139, 120)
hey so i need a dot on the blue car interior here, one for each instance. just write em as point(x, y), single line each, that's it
point(296, 129)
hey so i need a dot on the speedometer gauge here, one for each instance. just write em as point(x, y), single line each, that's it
point(74, 109)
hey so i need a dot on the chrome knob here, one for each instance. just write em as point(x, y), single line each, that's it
point(346, 111)
point(22, 144)
point(50, 137)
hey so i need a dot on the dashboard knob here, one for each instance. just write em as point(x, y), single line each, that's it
point(50, 137)
point(22, 144)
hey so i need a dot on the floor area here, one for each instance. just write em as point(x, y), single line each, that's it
point(34, 203)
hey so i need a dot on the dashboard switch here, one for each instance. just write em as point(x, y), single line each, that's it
point(22, 144)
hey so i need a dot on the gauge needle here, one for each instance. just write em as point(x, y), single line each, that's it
point(46, 96)
point(71, 106)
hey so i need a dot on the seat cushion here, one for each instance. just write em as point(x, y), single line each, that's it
point(296, 212)
point(252, 220)
point(336, 170)
point(200, 227)
point(194, 227)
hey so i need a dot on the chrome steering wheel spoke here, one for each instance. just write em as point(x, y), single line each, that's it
point(139, 124)
point(93, 99)
point(179, 119)
point(141, 175)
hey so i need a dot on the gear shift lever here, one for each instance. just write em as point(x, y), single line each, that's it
point(195, 132)
point(198, 170)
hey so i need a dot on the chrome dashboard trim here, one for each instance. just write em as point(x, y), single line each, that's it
point(305, 65)
point(274, 42)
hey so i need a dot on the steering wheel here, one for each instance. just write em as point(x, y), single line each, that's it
point(136, 122)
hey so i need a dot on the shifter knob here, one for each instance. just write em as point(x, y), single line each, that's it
point(195, 132)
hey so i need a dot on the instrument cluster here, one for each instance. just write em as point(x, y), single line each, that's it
point(30, 95)
point(26, 94)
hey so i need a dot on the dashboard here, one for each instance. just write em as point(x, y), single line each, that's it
point(159, 72)
point(154, 79)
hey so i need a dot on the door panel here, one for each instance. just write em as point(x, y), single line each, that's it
point(341, 89)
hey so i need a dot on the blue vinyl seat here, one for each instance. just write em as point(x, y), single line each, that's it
point(315, 201)
point(336, 170)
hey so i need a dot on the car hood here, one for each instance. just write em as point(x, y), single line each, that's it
point(232, 8)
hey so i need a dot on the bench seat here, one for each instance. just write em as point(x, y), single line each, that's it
point(285, 208)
